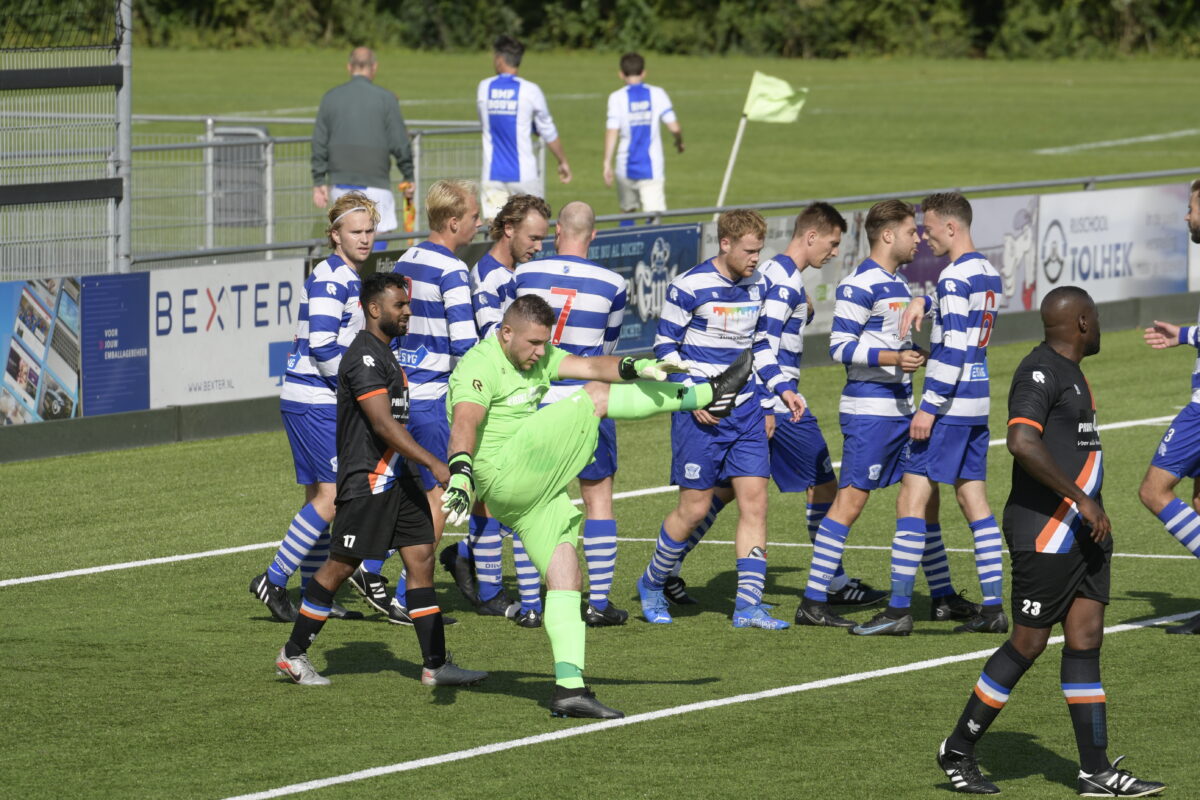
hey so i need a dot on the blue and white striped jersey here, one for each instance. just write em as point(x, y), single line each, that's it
point(636, 112)
point(492, 289)
point(866, 320)
point(330, 317)
point(707, 321)
point(779, 338)
point(1190, 334)
point(964, 314)
point(510, 110)
point(442, 326)
point(589, 301)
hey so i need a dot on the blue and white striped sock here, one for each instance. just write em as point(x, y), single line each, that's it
point(989, 561)
point(827, 556)
point(476, 525)
point(402, 587)
point(814, 513)
point(529, 582)
point(752, 579)
point(1183, 523)
point(373, 565)
point(698, 532)
point(666, 555)
point(315, 558)
point(306, 528)
point(935, 563)
point(600, 550)
point(908, 546)
point(486, 544)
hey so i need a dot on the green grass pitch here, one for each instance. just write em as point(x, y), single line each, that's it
point(157, 681)
point(870, 126)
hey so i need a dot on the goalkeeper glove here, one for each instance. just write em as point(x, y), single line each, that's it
point(459, 495)
point(650, 369)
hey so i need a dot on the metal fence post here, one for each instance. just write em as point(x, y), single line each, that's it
point(269, 190)
point(418, 189)
point(123, 235)
point(209, 210)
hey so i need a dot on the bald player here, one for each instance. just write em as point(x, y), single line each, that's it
point(588, 301)
point(1061, 545)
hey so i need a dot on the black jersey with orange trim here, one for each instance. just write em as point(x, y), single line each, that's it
point(366, 465)
point(1050, 394)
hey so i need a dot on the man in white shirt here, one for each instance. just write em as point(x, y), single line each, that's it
point(510, 108)
point(634, 113)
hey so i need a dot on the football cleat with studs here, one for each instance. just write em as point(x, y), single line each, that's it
point(580, 702)
point(1114, 782)
point(963, 772)
point(275, 598)
point(299, 669)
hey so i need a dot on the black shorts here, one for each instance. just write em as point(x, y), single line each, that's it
point(1045, 584)
point(370, 526)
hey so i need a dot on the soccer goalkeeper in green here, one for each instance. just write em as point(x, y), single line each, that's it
point(519, 459)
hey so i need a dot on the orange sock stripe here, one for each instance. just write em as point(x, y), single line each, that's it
point(988, 701)
point(1091, 699)
point(424, 612)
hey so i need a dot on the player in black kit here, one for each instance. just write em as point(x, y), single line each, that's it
point(380, 506)
point(1060, 541)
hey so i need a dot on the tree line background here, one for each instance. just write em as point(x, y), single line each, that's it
point(789, 28)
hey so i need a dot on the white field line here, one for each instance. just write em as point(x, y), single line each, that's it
point(74, 573)
point(1156, 137)
point(674, 711)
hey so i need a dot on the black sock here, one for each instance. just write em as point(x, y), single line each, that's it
point(427, 621)
point(1085, 698)
point(1000, 674)
point(314, 610)
point(892, 612)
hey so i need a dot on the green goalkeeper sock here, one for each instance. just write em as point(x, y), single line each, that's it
point(567, 636)
point(647, 398)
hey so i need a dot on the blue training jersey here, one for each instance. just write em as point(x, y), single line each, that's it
point(866, 320)
point(1190, 335)
point(442, 327)
point(330, 317)
point(588, 302)
point(636, 112)
point(964, 315)
point(510, 110)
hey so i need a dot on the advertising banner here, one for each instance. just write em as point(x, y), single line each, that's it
point(39, 340)
point(116, 343)
point(1116, 243)
point(221, 332)
point(648, 258)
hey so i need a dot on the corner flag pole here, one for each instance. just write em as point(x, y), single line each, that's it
point(737, 143)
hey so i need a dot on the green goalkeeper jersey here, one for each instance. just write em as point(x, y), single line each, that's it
point(485, 376)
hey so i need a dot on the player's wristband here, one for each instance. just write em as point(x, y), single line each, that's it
point(1185, 334)
point(627, 368)
point(460, 464)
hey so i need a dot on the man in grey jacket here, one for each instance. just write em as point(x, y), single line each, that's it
point(358, 127)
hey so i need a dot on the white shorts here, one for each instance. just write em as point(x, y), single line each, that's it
point(647, 194)
point(384, 200)
point(496, 193)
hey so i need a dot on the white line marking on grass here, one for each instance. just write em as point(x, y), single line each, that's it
point(74, 573)
point(674, 711)
point(1156, 137)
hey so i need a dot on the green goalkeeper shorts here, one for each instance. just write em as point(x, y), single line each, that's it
point(525, 483)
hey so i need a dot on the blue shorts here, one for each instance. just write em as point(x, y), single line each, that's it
point(872, 450)
point(312, 434)
point(428, 425)
point(1179, 450)
point(950, 454)
point(799, 455)
point(605, 465)
point(703, 456)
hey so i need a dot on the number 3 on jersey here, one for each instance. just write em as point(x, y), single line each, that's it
point(989, 318)
point(568, 301)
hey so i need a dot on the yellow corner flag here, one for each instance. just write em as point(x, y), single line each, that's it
point(773, 100)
